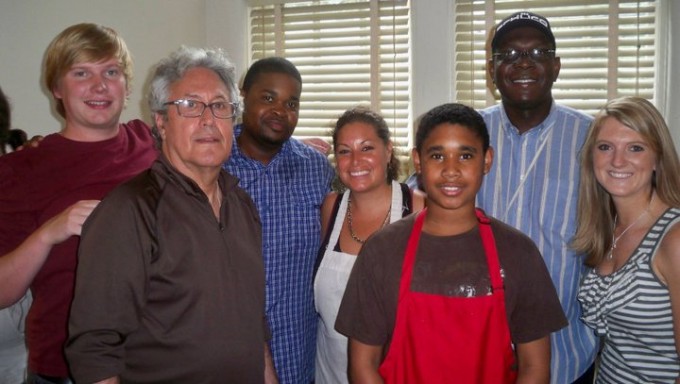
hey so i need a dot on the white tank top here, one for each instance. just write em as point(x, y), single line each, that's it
point(329, 287)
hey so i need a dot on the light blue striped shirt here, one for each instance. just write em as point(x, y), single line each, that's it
point(288, 193)
point(533, 186)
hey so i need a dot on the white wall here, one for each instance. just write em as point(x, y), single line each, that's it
point(151, 28)
point(672, 104)
point(432, 58)
point(154, 28)
point(227, 28)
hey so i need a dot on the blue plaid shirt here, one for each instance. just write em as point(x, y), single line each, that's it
point(288, 193)
point(533, 186)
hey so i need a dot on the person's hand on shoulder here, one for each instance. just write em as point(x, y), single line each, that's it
point(317, 143)
point(34, 142)
point(68, 223)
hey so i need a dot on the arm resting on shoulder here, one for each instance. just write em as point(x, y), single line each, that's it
point(364, 361)
point(533, 359)
point(318, 144)
point(19, 267)
point(269, 371)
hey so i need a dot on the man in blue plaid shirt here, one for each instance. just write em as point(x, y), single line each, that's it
point(288, 181)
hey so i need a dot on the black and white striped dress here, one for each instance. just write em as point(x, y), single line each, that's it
point(631, 310)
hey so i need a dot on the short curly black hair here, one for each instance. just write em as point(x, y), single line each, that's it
point(451, 113)
point(270, 65)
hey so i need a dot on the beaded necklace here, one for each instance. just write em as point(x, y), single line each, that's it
point(349, 220)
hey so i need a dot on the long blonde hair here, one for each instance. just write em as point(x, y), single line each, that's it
point(595, 215)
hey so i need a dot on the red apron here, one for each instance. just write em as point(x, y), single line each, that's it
point(440, 339)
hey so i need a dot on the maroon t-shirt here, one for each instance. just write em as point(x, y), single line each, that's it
point(38, 183)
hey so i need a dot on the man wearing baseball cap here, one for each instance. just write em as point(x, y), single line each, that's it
point(534, 183)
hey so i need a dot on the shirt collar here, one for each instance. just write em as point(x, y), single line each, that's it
point(163, 166)
point(290, 147)
point(537, 130)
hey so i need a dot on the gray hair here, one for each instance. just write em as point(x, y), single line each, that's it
point(172, 68)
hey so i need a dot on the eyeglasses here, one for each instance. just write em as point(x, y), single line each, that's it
point(512, 55)
point(195, 108)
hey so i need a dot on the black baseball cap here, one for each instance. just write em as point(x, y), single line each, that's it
point(522, 19)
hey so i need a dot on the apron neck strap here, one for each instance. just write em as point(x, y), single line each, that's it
point(488, 242)
point(490, 250)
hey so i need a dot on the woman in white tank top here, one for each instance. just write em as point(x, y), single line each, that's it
point(367, 167)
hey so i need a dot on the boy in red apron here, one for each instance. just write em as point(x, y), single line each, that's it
point(449, 295)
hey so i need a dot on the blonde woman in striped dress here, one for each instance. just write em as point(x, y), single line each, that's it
point(628, 213)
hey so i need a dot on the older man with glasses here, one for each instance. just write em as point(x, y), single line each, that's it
point(170, 283)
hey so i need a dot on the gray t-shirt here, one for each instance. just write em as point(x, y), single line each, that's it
point(13, 356)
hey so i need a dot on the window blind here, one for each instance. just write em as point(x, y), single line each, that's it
point(348, 52)
point(606, 48)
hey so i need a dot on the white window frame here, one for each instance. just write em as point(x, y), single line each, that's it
point(602, 57)
point(377, 75)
